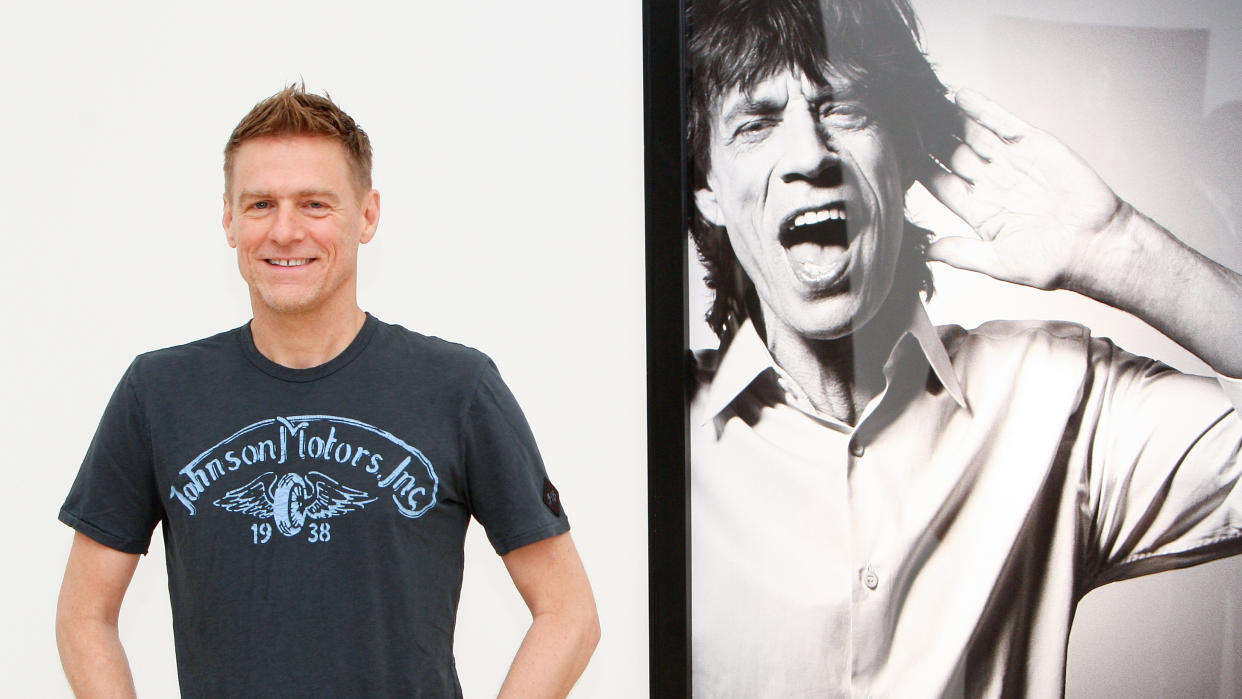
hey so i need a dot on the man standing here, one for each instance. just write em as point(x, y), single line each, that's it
point(880, 507)
point(314, 470)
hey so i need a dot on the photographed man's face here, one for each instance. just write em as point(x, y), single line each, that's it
point(808, 187)
point(296, 218)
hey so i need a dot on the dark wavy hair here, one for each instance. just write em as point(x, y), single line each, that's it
point(874, 44)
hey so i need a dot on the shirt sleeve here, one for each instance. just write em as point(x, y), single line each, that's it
point(113, 500)
point(508, 486)
point(1163, 478)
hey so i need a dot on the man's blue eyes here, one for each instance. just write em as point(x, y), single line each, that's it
point(263, 205)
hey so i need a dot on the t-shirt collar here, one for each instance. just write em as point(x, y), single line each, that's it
point(262, 363)
point(747, 357)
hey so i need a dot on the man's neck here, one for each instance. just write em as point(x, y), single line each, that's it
point(304, 340)
point(841, 376)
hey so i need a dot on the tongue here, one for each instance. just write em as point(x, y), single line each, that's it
point(814, 263)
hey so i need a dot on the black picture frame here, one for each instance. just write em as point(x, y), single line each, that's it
point(667, 199)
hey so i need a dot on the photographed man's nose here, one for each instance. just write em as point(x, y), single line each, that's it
point(809, 153)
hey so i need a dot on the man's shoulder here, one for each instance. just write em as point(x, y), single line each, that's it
point(1036, 354)
point(1015, 335)
point(430, 362)
point(197, 351)
point(426, 348)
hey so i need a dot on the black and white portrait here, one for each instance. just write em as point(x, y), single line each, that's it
point(971, 346)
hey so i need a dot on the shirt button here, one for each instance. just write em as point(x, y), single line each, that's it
point(857, 450)
point(870, 578)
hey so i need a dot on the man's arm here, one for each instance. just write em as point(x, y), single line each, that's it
point(86, 619)
point(564, 627)
point(1045, 219)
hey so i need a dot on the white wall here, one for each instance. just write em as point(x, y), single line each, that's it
point(508, 142)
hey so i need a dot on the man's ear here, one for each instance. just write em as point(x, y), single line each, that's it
point(709, 208)
point(370, 214)
point(227, 221)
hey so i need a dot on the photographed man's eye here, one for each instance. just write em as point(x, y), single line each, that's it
point(844, 115)
point(754, 128)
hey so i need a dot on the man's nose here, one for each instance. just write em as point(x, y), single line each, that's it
point(809, 150)
point(286, 226)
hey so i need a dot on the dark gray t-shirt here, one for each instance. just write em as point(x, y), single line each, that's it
point(314, 519)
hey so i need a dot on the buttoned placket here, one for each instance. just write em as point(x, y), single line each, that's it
point(863, 492)
point(866, 584)
point(867, 599)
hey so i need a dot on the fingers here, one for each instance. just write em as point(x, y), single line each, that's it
point(983, 141)
point(988, 131)
point(991, 115)
point(967, 163)
point(952, 190)
point(965, 253)
point(987, 168)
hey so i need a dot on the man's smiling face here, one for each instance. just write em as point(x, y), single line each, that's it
point(296, 216)
point(806, 184)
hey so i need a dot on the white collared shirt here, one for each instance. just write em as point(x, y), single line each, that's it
point(939, 548)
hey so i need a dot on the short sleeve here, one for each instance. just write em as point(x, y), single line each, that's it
point(1165, 480)
point(113, 499)
point(509, 490)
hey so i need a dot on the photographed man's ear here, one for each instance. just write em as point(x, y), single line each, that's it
point(227, 221)
point(709, 208)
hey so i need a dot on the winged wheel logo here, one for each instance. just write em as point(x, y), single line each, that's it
point(292, 499)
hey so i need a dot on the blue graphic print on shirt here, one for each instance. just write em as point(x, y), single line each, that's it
point(300, 491)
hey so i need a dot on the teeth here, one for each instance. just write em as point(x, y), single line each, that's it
point(289, 263)
point(807, 218)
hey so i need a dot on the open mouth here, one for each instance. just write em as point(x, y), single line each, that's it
point(290, 263)
point(815, 242)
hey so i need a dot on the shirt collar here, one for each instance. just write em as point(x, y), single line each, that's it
point(925, 333)
point(747, 357)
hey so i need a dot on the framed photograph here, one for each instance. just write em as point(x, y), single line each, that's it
point(830, 184)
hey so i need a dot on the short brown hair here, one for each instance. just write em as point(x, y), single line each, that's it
point(295, 112)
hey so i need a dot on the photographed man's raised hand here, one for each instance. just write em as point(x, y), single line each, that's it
point(1045, 219)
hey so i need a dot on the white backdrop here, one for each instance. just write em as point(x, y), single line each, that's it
point(1126, 83)
point(508, 141)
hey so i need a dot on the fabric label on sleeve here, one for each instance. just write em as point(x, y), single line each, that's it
point(551, 498)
